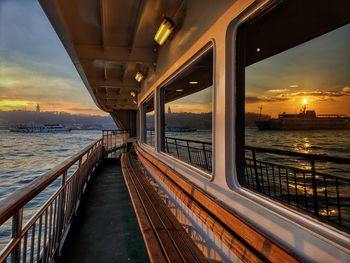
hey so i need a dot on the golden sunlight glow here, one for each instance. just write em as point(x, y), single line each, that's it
point(15, 104)
point(193, 107)
point(305, 101)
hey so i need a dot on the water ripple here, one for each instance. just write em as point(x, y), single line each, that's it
point(24, 157)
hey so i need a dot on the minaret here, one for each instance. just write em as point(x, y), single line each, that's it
point(169, 110)
point(37, 108)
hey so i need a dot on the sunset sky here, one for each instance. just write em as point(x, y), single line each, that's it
point(34, 66)
point(200, 102)
point(317, 71)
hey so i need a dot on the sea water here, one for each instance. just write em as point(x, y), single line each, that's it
point(24, 157)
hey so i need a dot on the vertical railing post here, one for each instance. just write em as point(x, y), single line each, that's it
point(106, 135)
point(118, 139)
point(338, 201)
point(314, 186)
point(61, 215)
point(177, 149)
point(189, 152)
point(109, 140)
point(167, 144)
point(103, 139)
point(205, 157)
point(78, 181)
point(115, 145)
point(17, 221)
point(256, 171)
point(104, 143)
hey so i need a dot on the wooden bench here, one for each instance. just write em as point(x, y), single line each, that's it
point(246, 242)
point(166, 240)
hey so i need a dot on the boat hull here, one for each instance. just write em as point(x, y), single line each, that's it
point(304, 124)
point(39, 129)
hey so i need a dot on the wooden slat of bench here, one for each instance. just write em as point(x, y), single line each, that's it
point(184, 243)
point(263, 245)
point(184, 249)
point(175, 247)
point(153, 247)
point(169, 251)
point(235, 245)
point(169, 219)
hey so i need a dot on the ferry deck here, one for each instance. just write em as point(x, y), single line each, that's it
point(140, 194)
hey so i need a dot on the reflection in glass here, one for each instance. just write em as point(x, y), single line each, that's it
point(187, 114)
point(295, 108)
point(148, 109)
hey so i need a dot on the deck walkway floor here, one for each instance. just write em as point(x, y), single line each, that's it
point(106, 228)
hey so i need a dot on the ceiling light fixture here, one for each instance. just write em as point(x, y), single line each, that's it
point(193, 82)
point(164, 30)
point(178, 90)
point(133, 93)
point(139, 76)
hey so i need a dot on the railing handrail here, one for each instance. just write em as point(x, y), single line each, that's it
point(115, 130)
point(318, 157)
point(303, 170)
point(16, 200)
point(186, 140)
point(314, 156)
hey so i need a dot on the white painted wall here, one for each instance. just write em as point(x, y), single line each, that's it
point(307, 237)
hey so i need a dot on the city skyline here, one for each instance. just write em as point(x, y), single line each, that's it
point(34, 66)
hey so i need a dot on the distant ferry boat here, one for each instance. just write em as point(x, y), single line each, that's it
point(43, 128)
point(180, 129)
point(305, 120)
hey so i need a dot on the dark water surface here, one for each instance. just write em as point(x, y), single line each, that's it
point(24, 157)
point(336, 142)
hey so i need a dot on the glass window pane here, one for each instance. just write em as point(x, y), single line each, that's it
point(148, 109)
point(187, 114)
point(294, 99)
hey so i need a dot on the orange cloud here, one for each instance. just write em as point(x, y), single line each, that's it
point(193, 108)
point(22, 89)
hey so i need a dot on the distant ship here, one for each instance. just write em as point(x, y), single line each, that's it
point(39, 128)
point(305, 120)
point(180, 129)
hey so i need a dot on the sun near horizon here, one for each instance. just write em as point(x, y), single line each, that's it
point(34, 66)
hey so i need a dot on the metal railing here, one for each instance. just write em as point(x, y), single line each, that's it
point(195, 152)
point(290, 177)
point(37, 236)
point(113, 140)
point(305, 187)
point(150, 137)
